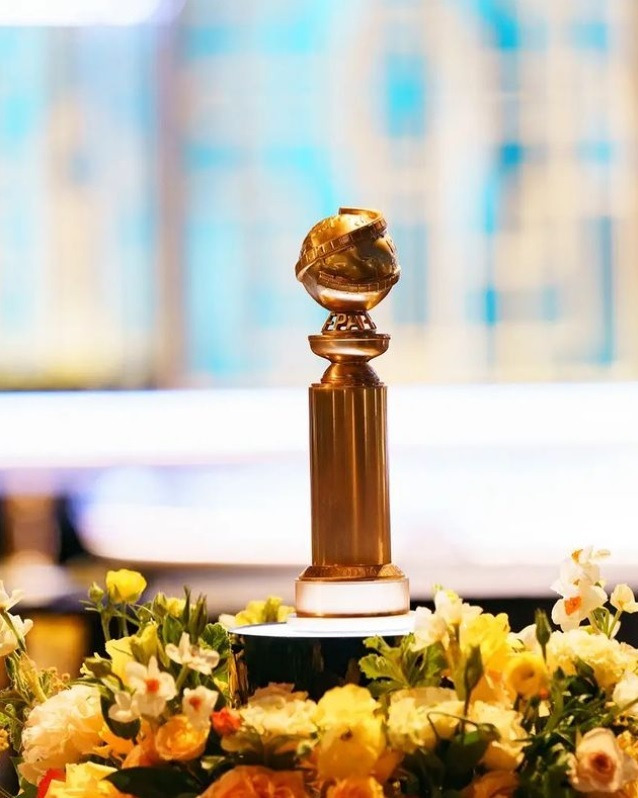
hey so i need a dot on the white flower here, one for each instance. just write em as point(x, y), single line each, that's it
point(506, 753)
point(527, 636)
point(7, 601)
point(609, 658)
point(625, 694)
point(577, 603)
point(198, 705)
point(623, 599)
point(62, 730)
point(125, 708)
point(449, 606)
point(419, 717)
point(202, 660)
point(152, 687)
point(277, 710)
point(600, 765)
point(581, 568)
point(429, 628)
point(8, 639)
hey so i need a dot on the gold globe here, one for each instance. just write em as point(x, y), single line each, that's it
point(348, 262)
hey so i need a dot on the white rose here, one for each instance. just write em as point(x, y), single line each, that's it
point(60, 731)
point(625, 694)
point(506, 753)
point(277, 710)
point(418, 718)
point(600, 765)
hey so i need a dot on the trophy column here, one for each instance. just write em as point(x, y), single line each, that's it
point(348, 264)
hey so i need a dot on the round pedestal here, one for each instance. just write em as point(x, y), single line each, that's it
point(354, 598)
point(314, 654)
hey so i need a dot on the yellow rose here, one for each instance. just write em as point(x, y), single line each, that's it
point(344, 705)
point(526, 674)
point(84, 781)
point(496, 784)
point(356, 788)
point(120, 653)
point(350, 751)
point(179, 741)
point(125, 586)
point(252, 781)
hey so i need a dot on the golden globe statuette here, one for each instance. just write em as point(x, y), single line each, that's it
point(348, 264)
point(351, 591)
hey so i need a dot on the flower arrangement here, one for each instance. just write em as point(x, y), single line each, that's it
point(461, 708)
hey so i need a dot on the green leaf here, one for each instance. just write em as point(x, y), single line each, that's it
point(216, 637)
point(464, 753)
point(127, 731)
point(171, 630)
point(155, 782)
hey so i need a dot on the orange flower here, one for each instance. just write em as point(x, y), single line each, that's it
point(144, 754)
point(495, 784)
point(356, 788)
point(179, 741)
point(252, 781)
point(226, 721)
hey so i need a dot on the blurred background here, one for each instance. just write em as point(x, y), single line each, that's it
point(161, 162)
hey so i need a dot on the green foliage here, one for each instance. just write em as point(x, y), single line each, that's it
point(444, 772)
point(397, 667)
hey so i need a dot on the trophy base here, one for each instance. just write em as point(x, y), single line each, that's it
point(316, 599)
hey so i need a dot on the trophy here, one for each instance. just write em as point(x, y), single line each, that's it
point(352, 590)
point(348, 264)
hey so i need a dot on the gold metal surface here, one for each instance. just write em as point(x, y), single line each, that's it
point(348, 264)
point(355, 573)
point(348, 261)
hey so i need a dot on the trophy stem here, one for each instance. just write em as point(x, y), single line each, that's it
point(349, 485)
point(349, 477)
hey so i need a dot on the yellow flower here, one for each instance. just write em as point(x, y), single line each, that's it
point(125, 586)
point(526, 674)
point(175, 606)
point(356, 788)
point(146, 642)
point(353, 740)
point(490, 633)
point(179, 741)
point(252, 781)
point(269, 611)
point(112, 745)
point(84, 781)
point(354, 750)
point(345, 705)
point(120, 653)
point(496, 784)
